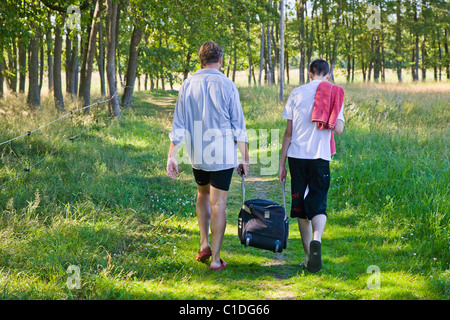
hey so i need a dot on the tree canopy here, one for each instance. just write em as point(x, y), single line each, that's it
point(158, 41)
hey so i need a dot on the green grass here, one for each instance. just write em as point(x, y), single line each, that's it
point(106, 205)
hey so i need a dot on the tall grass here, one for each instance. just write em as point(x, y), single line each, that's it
point(106, 205)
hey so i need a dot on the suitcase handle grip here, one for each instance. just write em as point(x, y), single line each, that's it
point(283, 189)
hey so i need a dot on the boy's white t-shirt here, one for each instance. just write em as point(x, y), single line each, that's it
point(308, 142)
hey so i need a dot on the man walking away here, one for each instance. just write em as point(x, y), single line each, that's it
point(314, 112)
point(208, 115)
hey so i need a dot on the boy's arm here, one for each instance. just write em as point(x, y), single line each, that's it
point(339, 127)
point(282, 173)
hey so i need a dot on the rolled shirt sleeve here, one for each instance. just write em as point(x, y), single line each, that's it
point(287, 112)
point(341, 114)
point(237, 117)
point(178, 127)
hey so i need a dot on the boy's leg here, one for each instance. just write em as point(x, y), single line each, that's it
point(299, 182)
point(315, 207)
point(318, 226)
point(316, 199)
point(304, 225)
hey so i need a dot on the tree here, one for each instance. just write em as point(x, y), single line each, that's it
point(87, 74)
point(34, 92)
point(132, 66)
point(282, 25)
point(112, 8)
point(398, 40)
point(57, 81)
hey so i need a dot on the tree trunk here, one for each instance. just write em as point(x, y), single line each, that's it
point(187, 66)
point(118, 66)
point(348, 47)
point(73, 69)
point(377, 65)
point(161, 64)
point(416, 48)
point(416, 62)
point(235, 61)
point(370, 60)
point(398, 40)
point(276, 51)
point(48, 38)
point(286, 63)
point(301, 39)
point(84, 48)
point(311, 39)
point(229, 66)
point(22, 66)
point(34, 94)
point(132, 67)
point(282, 18)
point(87, 76)
point(269, 51)
point(424, 58)
point(266, 72)
point(101, 58)
point(440, 53)
point(41, 63)
point(447, 61)
point(261, 54)
point(1, 71)
point(336, 40)
point(57, 85)
point(114, 107)
point(12, 66)
point(68, 63)
point(249, 56)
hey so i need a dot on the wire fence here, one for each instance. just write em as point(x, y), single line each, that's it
point(65, 142)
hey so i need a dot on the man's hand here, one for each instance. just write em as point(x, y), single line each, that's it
point(282, 173)
point(172, 167)
point(243, 169)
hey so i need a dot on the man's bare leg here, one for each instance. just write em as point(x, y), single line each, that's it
point(218, 200)
point(203, 209)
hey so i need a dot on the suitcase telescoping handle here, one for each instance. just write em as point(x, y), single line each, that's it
point(282, 189)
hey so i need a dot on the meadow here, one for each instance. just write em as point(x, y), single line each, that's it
point(105, 204)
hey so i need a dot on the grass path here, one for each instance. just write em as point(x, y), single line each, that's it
point(108, 207)
point(348, 249)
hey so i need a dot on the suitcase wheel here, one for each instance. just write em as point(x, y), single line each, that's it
point(277, 245)
point(248, 237)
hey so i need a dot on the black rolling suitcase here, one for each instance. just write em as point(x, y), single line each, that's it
point(263, 223)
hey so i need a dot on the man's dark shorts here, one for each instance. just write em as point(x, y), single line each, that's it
point(316, 175)
point(218, 179)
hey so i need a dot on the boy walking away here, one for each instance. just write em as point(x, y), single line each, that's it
point(314, 112)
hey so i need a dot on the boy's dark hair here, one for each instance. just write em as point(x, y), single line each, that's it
point(210, 52)
point(319, 67)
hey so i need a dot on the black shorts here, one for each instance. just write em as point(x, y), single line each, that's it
point(218, 179)
point(316, 175)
